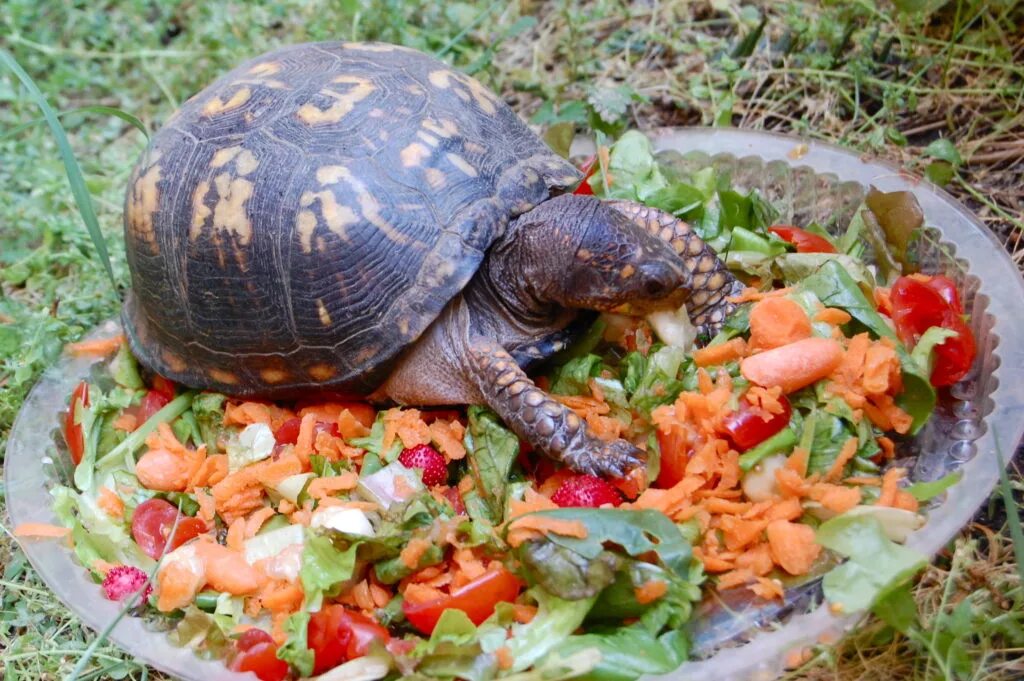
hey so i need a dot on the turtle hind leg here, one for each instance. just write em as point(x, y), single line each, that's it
point(713, 284)
point(545, 423)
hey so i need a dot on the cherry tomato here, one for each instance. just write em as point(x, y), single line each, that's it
point(588, 169)
point(454, 497)
point(256, 652)
point(805, 242)
point(152, 403)
point(918, 306)
point(288, 432)
point(477, 599)
point(73, 434)
point(152, 523)
point(164, 386)
point(675, 454)
point(747, 429)
point(945, 287)
point(336, 635)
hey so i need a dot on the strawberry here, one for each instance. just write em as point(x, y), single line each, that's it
point(425, 457)
point(125, 580)
point(588, 491)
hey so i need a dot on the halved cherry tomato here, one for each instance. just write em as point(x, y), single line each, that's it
point(944, 286)
point(153, 402)
point(805, 242)
point(675, 454)
point(256, 652)
point(477, 599)
point(747, 429)
point(588, 169)
point(164, 386)
point(919, 305)
point(152, 523)
point(73, 434)
point(336, 634)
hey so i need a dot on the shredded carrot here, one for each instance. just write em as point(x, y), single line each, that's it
point(865, 480)
point(739, 533)
point(835, 498)
point(765, 401)
point(100, 347)
point(286, 507)
point(786, 509)
point(126, 422)
point(407, 426)
point(883, 302)
point(320, 488)
point(110, 503)
point(270, 472)
point(757, 559)
point(767, 588)
point(447, 435)
point(906, 501)
point(504, 657)
point(719, 506)
point(213, 469)
point(414, 594)
point(846, 453)
point(280, 596)
point(523, 614)
point(248, 413)
point(236, 535)
point(734, 578)
point(798, 461)
point(40, 530)
point(350, 426)
point(532, 501)
point(714, 355)
point(238, 494)
point(101, 566)
point(256, 519)
point(790, 483)
point(777, 321)
point(792, 546)
point(890, 486)
point(207, 506)
point(304, 442)
point(833, 316)
point(650, 591)
point(413, 551)
point(565, 528)
point(888, 447)
point(750, 294)
point(177, 585)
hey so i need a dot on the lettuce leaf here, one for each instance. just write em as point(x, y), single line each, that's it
point(876, 565)
point(492, 451)
point(555, 621)
point(924, 352)
point(573, 377)
point(628, 653)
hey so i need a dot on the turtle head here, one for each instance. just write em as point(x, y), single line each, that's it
point(610, 263)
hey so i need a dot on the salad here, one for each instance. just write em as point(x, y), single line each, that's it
point(337, 539)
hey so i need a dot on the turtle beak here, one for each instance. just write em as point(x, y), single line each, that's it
point(661, 285)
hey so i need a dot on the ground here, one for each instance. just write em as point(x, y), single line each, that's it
point(936, 87)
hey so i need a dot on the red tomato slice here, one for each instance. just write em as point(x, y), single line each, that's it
point(477, 599)
point(164, 386)
point(945, 287)
point(747, 429)
point(588, 169)
point(256, 652)
point(288, 432)
point(675, 454)
point(73, 434)
point(917, 306)
point(152, 523)
point(338, 635)
point(153, 402)
point(805, 242)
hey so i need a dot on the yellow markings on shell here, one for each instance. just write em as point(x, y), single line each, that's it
point(267, 68)
point(143, 202)
point(246, 162)
point(442, 128)
point(376, 113)
point(474, 148)
point(365, 355)
point(272, 375)
point(224, 156)
point(344, 102)
point(222, 376)
point(483, 97)
point(229, 211)
point(321, 372)
point(371, 211)
point(462, 164)
point(441, 78)
point(403, 326)
point(435, 178)
point(375, 47)
point(200, 211)
point(321, 310)
point(332, 174)
point(627, 271)
point(414, 155)
point(174, 362)
point(414, 89)
point(337, 217)
point(428, 138)
point(218, 106)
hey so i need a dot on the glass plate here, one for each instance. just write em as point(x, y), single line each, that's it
point(808, 181)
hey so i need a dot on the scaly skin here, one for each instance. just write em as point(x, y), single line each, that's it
point(548, 425)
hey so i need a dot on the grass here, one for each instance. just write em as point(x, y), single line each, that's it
point(938, 91)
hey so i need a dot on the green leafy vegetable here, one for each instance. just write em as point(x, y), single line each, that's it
point(555, 620)
point(374, 442)
point(900, 217)
point(492, 450)
point(295, 650)
point(923, 491)
point(781, 442)
point(324, 567)
point(629, 652)
point(924, 352)
point(876, 565)
point(208, 408)
point(566, 573)
point(572, 378)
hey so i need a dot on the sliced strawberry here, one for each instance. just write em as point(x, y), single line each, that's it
point(425, 457)
point(588, 491)
point(125, 580)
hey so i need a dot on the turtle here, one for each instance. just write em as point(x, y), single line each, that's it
point(362, 220)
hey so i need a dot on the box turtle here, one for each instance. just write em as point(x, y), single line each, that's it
point(360, 218)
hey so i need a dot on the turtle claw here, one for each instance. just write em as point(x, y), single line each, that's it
point(611, 459)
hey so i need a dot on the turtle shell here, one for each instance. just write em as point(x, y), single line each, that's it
point(305, 218)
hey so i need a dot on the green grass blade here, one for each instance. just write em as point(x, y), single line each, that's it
point(1012, 512)
point(108, 110)
point(82, 198)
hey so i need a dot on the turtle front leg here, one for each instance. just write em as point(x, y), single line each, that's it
point(545, 423)
point(713, 284)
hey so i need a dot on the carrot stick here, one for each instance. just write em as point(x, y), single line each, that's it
point(793, 366)
point(99, 347)
point(41, 531)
